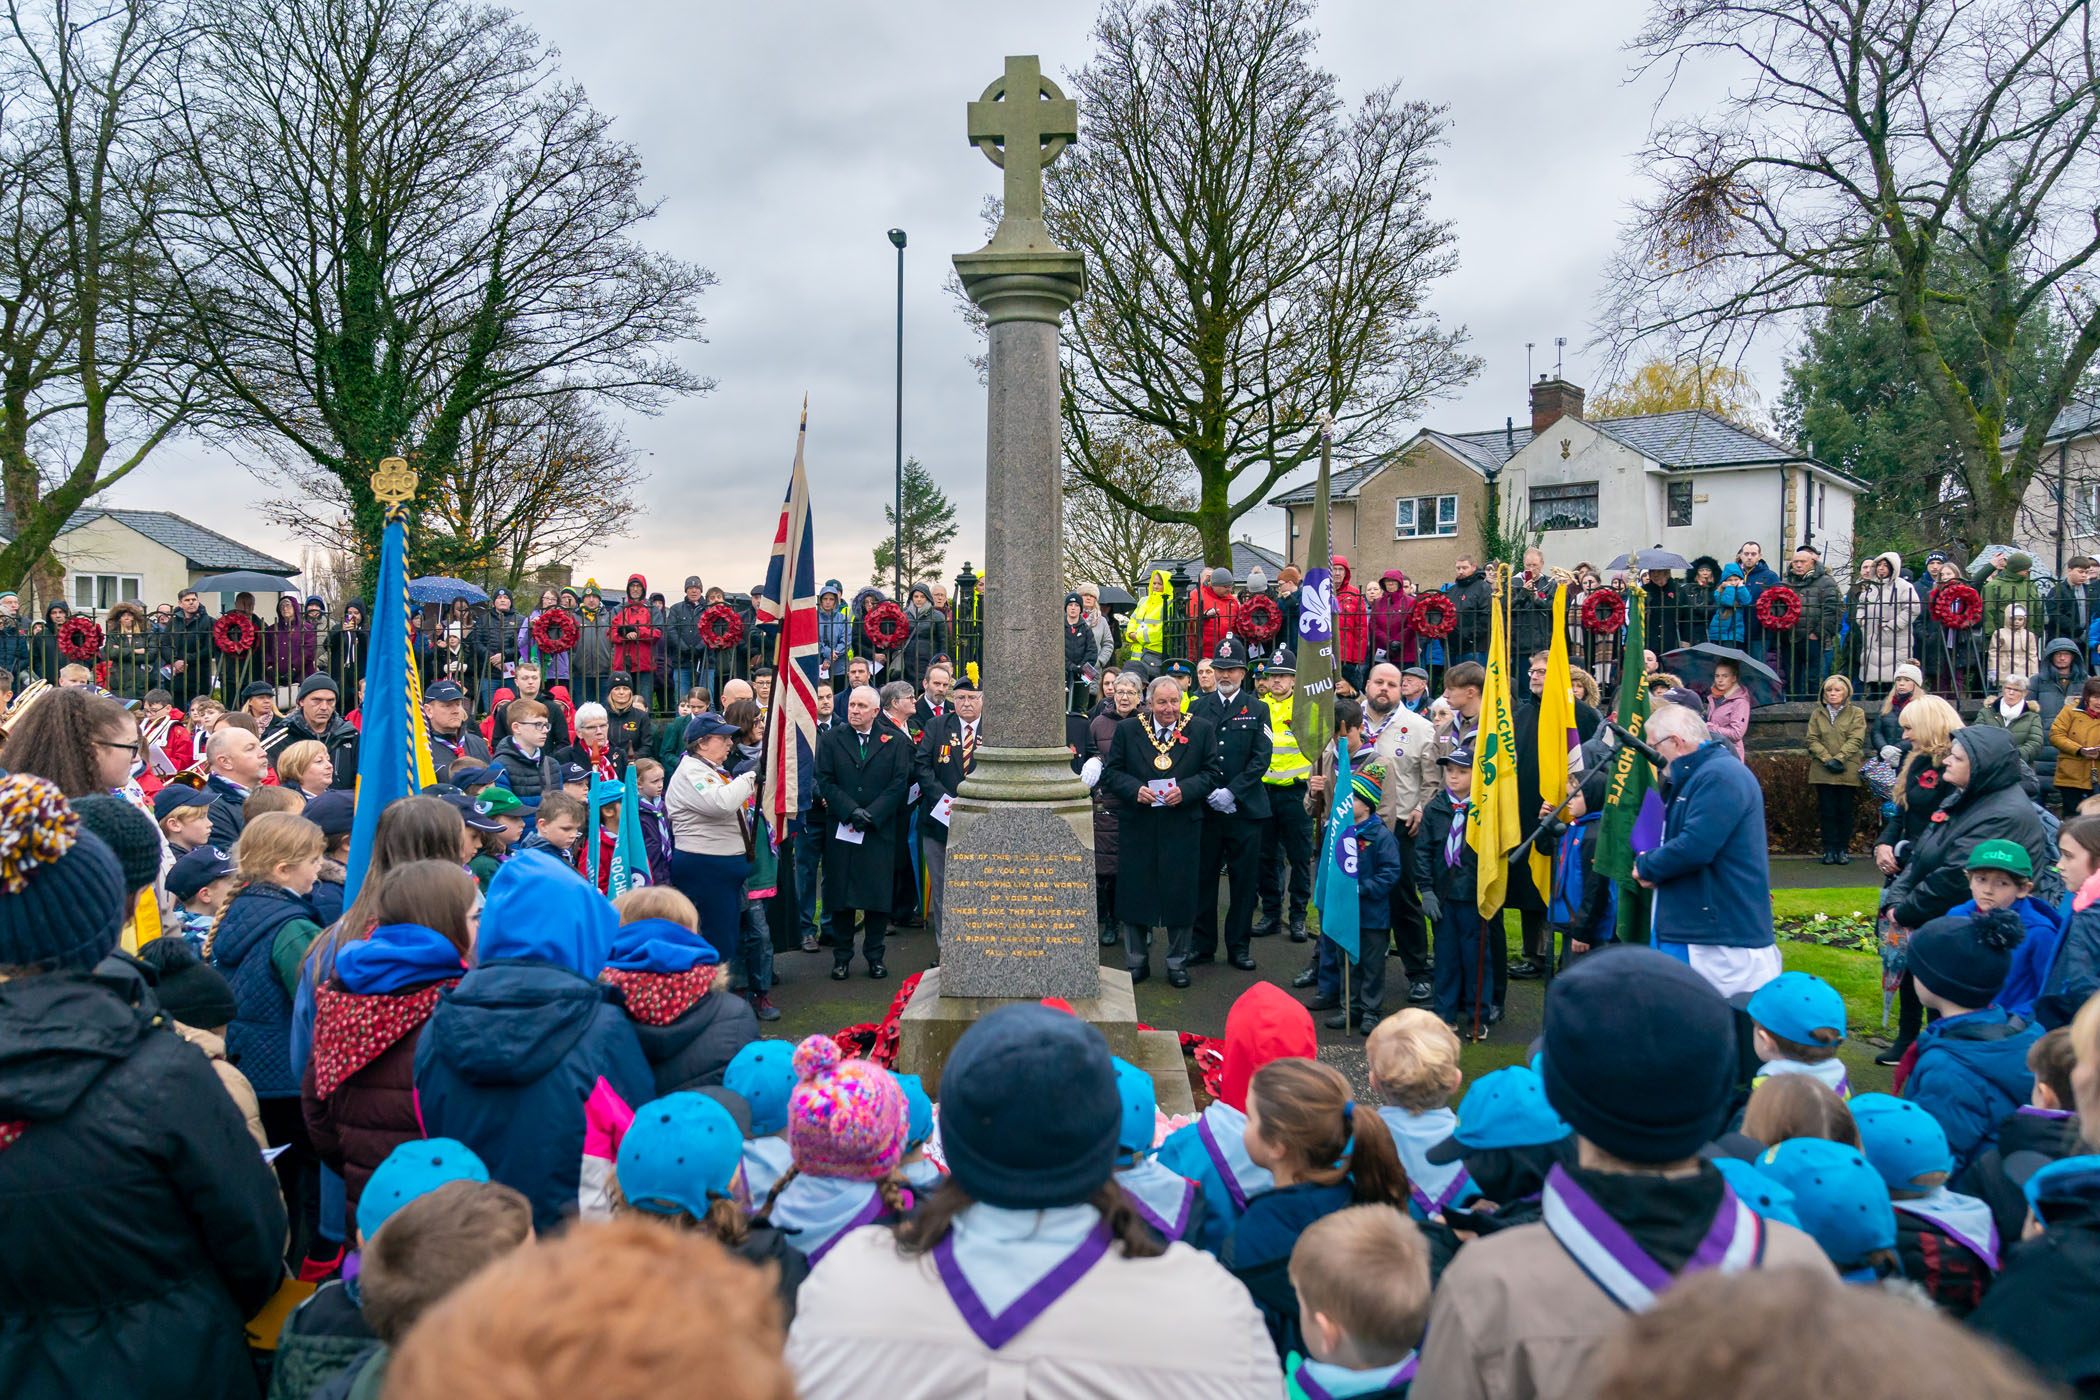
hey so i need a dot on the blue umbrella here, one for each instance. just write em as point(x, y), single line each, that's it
point(435, 588)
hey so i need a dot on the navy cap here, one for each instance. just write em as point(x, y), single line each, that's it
point(1231, 651)
point(257, 690)
point(680, 1152)
point(1458, 758)
point(1507, 1108)
point(470, 813)
point(574, 773)
point(705, 725)
point(333, 811)
point(176, 796)
point(1795, 1005)
point(1283, 663)
point(193, 870)
point(443, 692)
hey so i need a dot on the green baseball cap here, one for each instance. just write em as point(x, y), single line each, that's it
point(2009, 856)
point(501, 802)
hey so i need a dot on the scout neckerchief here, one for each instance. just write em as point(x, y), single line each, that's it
point(1302, 1382)
point(1164, 759)
point(1161, 1197)
point(1455, 843)
point(996, 1330)
point(1964, 1219)
point(1615, 1261)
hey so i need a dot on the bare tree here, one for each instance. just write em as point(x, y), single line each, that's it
point(1258, 255)
point(395, 217)
point(1106, 542)
point(1941, 157)
point(95, 370)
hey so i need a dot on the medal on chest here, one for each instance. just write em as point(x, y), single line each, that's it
point(1163, 760)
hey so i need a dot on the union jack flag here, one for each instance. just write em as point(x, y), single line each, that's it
point(789, 599)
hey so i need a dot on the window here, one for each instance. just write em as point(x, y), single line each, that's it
point(1822, 501)
point(101, 591)
point(1419, 517)
point(1680, 503)
point(1569, 507)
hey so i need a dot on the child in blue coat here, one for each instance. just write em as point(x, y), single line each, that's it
point(1170, 1204)
point(1377, 871)
point(1731, 604)
point(2001, 876)
point(1413, 1059)
point(1971, 1069)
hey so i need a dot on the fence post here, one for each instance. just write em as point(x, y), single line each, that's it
point(1177, 636)
point(967, 634)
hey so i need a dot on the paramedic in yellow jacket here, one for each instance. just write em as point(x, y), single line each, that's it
point(1145, 637)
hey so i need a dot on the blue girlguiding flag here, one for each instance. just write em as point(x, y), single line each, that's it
point(1334, 888)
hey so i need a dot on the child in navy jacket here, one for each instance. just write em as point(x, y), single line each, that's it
point(1948, 1242)
point(1971, 1069)
point(1377, 871)
point(1448, 872)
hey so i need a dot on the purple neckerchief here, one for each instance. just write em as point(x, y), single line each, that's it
point(1217, 1159)
point(996, 1332)
point(1435, 1205)
point(1311, 1389)
point(2059, 1114)
point(1615, 1261)
point(866, 1215)
point(1957, 1219)
point(1171, 1229)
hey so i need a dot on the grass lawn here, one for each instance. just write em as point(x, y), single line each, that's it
point(1834, 902)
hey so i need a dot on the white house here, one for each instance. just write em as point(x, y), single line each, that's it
point(2060, 512)
point(149, 556)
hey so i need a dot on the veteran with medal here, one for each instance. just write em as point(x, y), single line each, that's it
point(1162, 767)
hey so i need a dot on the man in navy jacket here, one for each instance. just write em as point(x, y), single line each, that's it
point(1712, 881)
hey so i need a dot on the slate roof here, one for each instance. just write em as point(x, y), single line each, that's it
point(1695, 437)
point(205, 550)
point(2079, 418)
point(1477, 450)
point(1246, 555)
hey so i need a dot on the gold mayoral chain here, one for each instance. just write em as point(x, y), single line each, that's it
point(1165, 760)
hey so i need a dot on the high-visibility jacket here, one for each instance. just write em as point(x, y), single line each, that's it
point(1146, 630)
point(1286, 764)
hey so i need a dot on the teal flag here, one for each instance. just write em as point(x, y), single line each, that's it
point(630, 861)
point(604, 793)
point(1334, 889)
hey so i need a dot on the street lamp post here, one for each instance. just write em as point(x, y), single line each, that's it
point(897, 542)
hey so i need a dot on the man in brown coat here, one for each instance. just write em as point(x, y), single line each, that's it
point(1639, 1058)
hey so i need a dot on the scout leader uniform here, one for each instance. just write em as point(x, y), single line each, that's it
point(1160, 846)
point(1240, 803)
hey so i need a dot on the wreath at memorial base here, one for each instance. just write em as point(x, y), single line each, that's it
point(1603, 612)
point(80, 639)
point(1778, 608)
point(1957, 606)
point(555, 632)
point(887, 626)
point(1435, 616)
point(1260, 618)
point(235, 633)
point(720, 628)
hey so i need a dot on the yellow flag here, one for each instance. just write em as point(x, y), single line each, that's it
point(1493, 831)
point(1557, 736)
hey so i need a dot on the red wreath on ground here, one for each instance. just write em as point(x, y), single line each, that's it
point(1958, 606)
point(235, 633)
point(555, 632)
point(1603, 612)
point(1260, 618)
point(887, 626)
point(80, 639)
point(1435, 615)
point(720, 627)
point(1778, 608)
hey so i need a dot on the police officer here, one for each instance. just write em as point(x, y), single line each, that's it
point(1232, 829)
point(1287, 836)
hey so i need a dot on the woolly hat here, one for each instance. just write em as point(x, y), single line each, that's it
point(1220, 577)
point(1029, 1109)
point(316, 683)
point(1966, 959)
point(681, 1151)
point(847, 1119)
point(412, 1170)
point(1909, 672)
point(129, 834)
point(189, 988)
point(763, 1073)
point(1139, 1098)
point(2019, 562)
point(61, 889)
point(1902, 1140)
point(1257, 580)
point(1365, 783)
point(920, 1109)
point(1840, 1200)
point(1639, 1054)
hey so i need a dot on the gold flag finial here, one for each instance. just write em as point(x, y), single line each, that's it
point(394, 483)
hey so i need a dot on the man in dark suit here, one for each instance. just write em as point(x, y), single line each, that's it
point(947, 753)
point(2075, 602)
point(1163, 767)
point(809, 845)
point(863, 770)
point(1240, 807)
point(900, 715)
point(936, 702)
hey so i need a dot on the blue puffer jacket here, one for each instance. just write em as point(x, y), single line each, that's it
point(834, 630)
point(259, 1038)
point(510, 1056)
point(1731, 606)
point(1377, 871)
point(2074, 975)
point(1712, 877)
point(2031, 960)
point(1970, 1073)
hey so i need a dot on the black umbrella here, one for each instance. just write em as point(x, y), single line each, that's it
point(1646, 559)
point(245, 581)
point(1695, 666)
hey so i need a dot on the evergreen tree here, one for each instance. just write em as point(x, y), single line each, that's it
point(929, 528)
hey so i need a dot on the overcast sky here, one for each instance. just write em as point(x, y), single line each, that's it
point(784, 140)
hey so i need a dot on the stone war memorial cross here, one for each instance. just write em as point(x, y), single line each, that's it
point(1018, 915)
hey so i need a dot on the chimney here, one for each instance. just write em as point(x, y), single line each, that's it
point(1553, 400)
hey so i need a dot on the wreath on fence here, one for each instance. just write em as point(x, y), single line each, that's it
point(555, 632)
point(80, 638)
point(1778, 608)
point(720, 627)
point(1435, 615)
point(1603, 612)
point(1260, 618)
point(1958, 606)
point(887, 626)
point(235, 633)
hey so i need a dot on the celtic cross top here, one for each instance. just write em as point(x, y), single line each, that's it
point(1035, 120)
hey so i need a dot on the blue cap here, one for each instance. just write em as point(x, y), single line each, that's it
point(920, 1127)
point(1761, 1193)
point(413, 1169)
point(680, 1151)
point(704, 725)
point(764, 1073)
point(1140, 1108)
point(198, 868)
point(1795, 1005)
point(2068, 1179)
point(605, 791)
point(1838, 1196)
point(1901, 1140)
point(1507, 1108)
point(176, 796)
point(574, 773)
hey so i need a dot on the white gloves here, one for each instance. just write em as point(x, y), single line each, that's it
point(1223, 800)
point(1890, 753)
point(1090, 771)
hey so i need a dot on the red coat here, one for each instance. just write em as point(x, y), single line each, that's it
point(1215, 614)
point(635, 655)
point(1352, 624)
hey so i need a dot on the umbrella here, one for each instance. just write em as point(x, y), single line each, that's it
point(1116, 599)
point(245, 581)
point(1646, 559)
point(1695, 665)
point(435, 588)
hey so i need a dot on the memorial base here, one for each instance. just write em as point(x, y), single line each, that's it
point(932, 1023)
